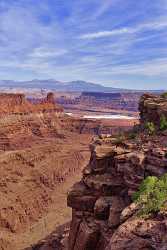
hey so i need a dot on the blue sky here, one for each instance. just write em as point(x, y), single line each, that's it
point(118, 43)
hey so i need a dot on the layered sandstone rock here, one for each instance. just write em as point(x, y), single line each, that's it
point(104, 216)
point(17, 104)
point(140, 234)
point(42, 153)
point(39, 150)
point(152, 108)
point(116, 101)
point(112, 176)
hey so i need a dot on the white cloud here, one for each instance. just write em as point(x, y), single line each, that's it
point(47, 52)
point(155, 67)
point(22, 31)
point(38, 41)
point(105, 5)
point(106, 33)
point(126, 30)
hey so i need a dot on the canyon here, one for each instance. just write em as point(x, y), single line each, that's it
point(51, 162)
point(118, 101)
point(81, 102)
point(98, 102)
point(42, 153)
point(104, 216)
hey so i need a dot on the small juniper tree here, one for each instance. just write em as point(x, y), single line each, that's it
point(163, 122)
point(152, 195)
point(164, 95)
point(150, 128)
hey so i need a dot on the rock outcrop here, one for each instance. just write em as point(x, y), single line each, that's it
point(42, 151)
point(103, 215)
point(152, 108)
point(17, 104)
point(117, 101)
point(140, 234)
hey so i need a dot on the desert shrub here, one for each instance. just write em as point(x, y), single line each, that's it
point(164, 95)
point(163, 122)
point(152, 194)
point(119, 141)
point(132, 135)
point(150, 128)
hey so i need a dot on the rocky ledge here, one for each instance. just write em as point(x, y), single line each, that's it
point(152, 108)
point(103, 213)
point(18, 104)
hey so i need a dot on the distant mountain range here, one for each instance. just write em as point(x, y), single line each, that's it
point(51, 84)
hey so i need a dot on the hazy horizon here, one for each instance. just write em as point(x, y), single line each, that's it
point(104, 85)
point(116, 43)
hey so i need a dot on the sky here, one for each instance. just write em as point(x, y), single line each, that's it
point(117, 43)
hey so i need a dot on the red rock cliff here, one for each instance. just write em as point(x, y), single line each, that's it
point(17, 103)
point(152, 108)
point(103, 215)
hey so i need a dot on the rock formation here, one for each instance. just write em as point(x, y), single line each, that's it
point(103, 214)
point(117, 101)
point(17, 104)
point(152, 108)
point(40, 149)
point(50, 98)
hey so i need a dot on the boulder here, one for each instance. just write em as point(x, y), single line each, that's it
point(102, 209)
point(87, 237)
point(81, 198)
point(140, 234)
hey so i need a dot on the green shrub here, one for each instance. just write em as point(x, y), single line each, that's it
point(164, 95)
point(150, 128)
point(132, 135)
point(163, 123)
point(152, 194)
point(119, 141)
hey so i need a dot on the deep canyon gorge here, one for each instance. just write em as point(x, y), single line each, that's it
point(51, 162)
point(83, 125)
point(104, 213)
point(42, 154)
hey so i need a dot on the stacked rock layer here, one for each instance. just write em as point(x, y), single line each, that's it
point(103, 214)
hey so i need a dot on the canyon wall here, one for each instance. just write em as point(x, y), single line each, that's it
point(117, 101)
point(18, 104)
point(152, 108)
point(38, 152)
point(103, 214)
point(42, 153)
